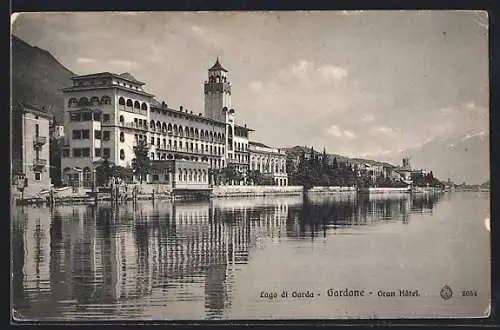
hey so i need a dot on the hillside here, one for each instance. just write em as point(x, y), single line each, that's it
point(462, 158)
point(296, 151)
point(37, 78)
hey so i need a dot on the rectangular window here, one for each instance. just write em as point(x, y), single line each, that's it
point(87, 116)
point(105, 118)
point(156, 177)
point(152, 155)
point(65, 153)
point(85, 134)
point(97, 152)
point(85, 152)
point(105, 135)
point(76, 116)
point(77, 152)
point(152, 141)
point(97, 134)
point(97, 116)
point(77, 134)
point(106, 152)
point(38, 176)
point(37, 129)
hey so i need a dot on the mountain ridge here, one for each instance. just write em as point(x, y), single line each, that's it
point(37, 78)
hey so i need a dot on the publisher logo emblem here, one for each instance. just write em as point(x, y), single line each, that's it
point(446, 292)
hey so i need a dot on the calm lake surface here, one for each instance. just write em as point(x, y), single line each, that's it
point(221, 259)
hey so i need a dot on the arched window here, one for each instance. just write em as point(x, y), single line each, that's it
point(152, 125)
point(105, 100)
point(129, 103)
point(164, 127)
point(219, 137)
point(122, 119)
point(84, 101)
point(190, 175)
point(122, 154)
point(223, 137)
point(121, 101)
point(186, 132)
point(202, 135)
point(137, 105)
point(181, 131)
point(211, 137)
point(191, 132)
point(144, 106)
point(94, 100)
point(72, 102)
point(196, 133)
point(122, 137)
point(169, 127)
point(175, 129)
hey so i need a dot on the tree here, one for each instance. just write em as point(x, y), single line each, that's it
point(335, 165)
point(255, 177)
point(141, 164)
point(324, 161)
point(55, 160)
point(230, 174)
point(103, 172)
point(124, 173)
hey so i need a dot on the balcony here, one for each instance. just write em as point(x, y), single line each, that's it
point(134, 126)
point(39, 141)
point(37, 163)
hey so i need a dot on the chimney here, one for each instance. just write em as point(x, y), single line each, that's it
point(163, 103)
point(181, 108)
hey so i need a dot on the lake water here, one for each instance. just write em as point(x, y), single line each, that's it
point(228, 258)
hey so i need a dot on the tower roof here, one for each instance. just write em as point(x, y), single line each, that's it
point(217, 66)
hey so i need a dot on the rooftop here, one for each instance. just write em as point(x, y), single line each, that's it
point(217, 66)
point(125, 76)
point(258, 144)
point(244, 127)
point(27, 107)
point(160, 106)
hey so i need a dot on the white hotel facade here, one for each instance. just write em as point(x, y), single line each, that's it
point(107, 114)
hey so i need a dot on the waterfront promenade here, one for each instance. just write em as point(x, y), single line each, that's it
point(135, 192)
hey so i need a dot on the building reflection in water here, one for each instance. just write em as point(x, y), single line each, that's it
point(105, 262)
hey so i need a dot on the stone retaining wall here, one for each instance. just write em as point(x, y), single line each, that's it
point(248, 191)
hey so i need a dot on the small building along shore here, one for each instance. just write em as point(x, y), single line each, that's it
point(107, 115)
point(30, 163)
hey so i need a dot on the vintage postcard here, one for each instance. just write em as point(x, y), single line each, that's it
point(250, 165)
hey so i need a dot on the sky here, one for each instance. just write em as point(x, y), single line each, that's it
point(359, 83)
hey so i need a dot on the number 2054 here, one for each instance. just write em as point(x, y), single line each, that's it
point(469, 293)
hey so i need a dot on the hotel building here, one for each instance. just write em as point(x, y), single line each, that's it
point(107, 114)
